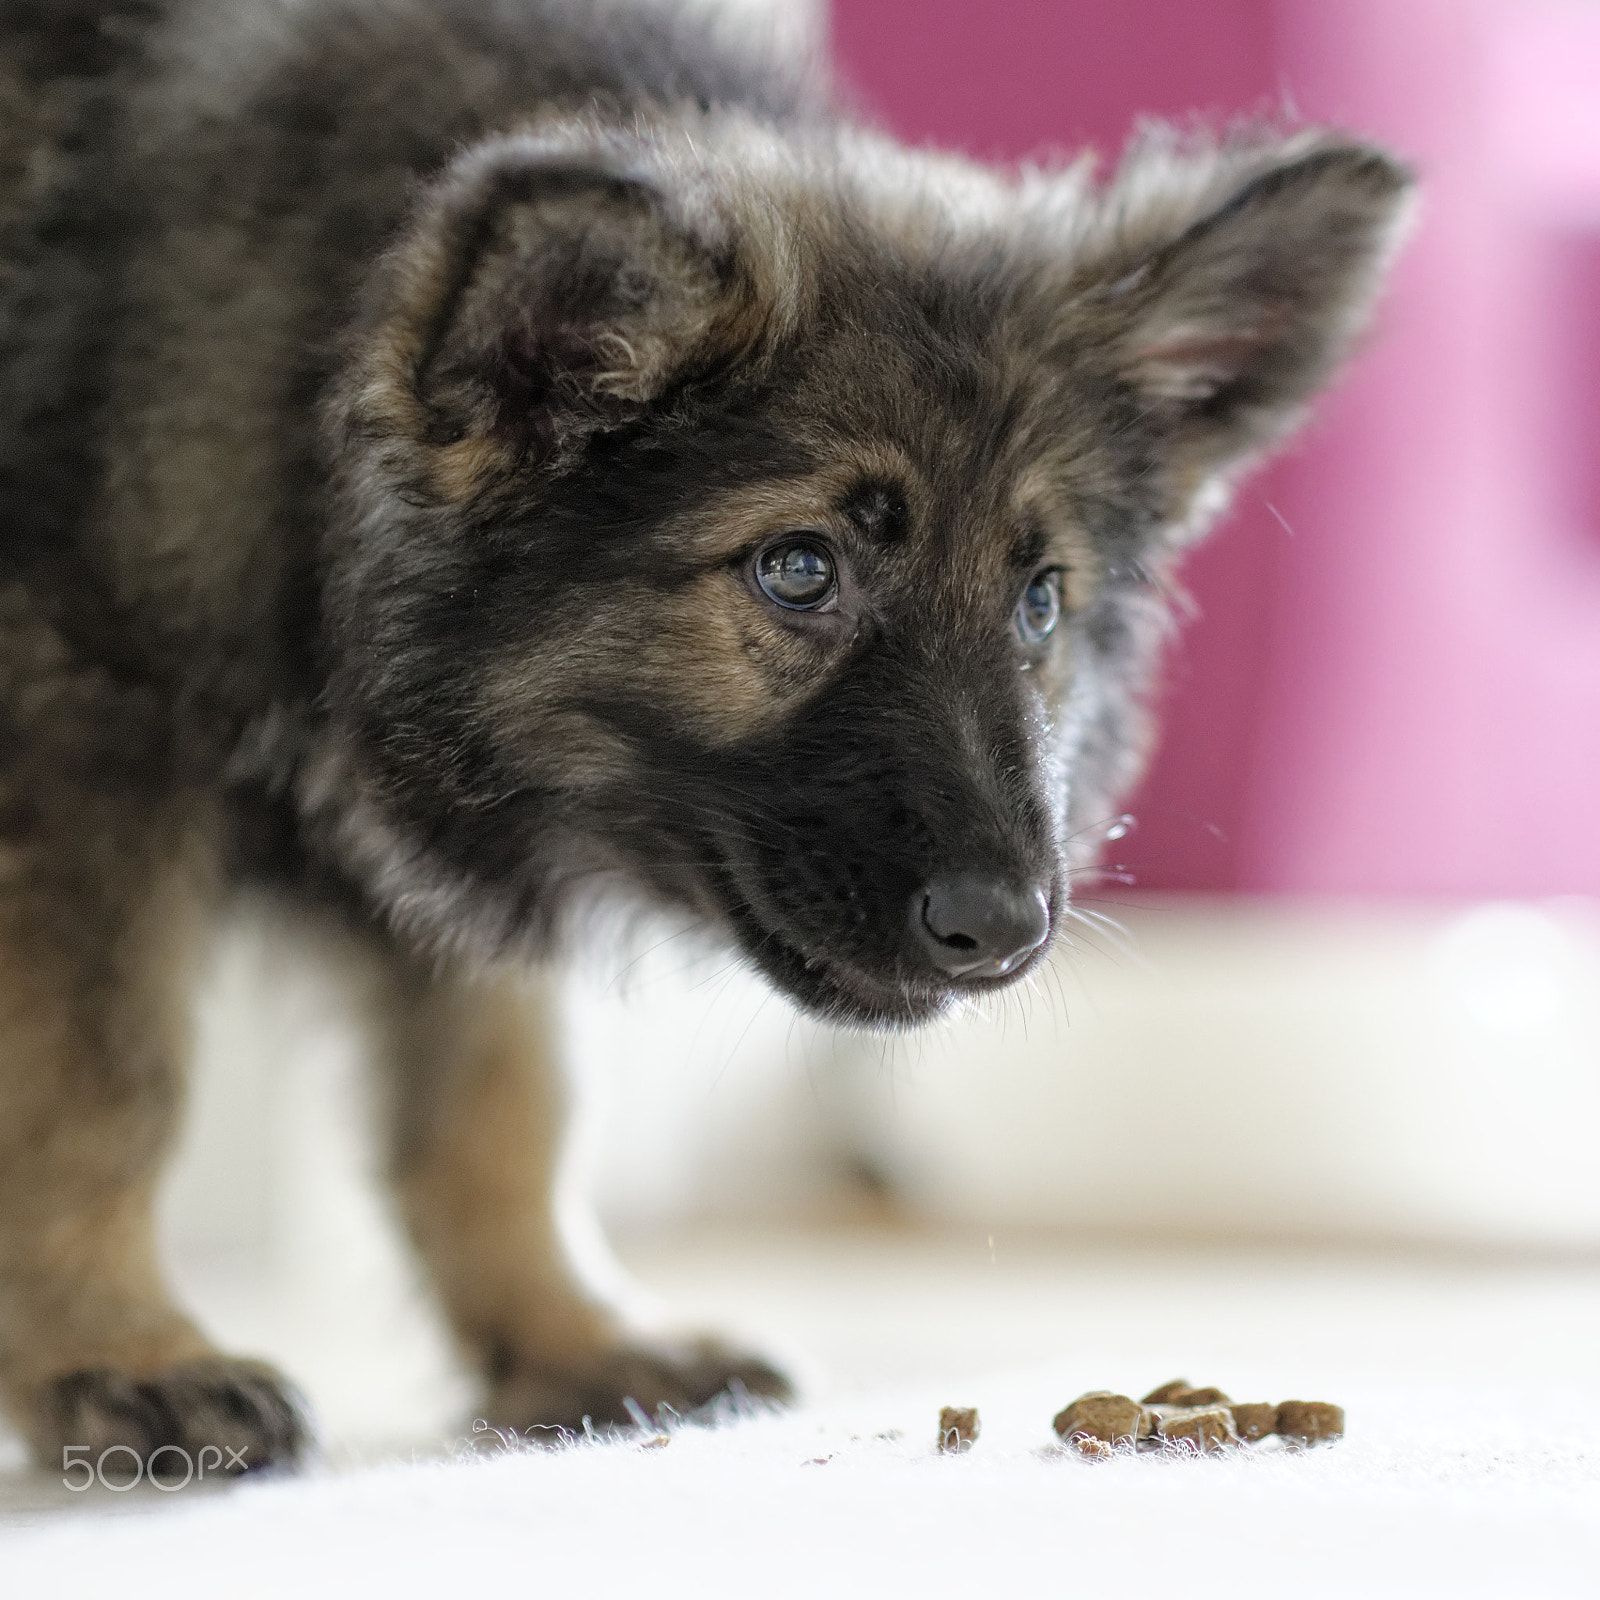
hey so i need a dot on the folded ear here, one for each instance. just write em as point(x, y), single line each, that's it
point(1239, 310)
point(540, 293)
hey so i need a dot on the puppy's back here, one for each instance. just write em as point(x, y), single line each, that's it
point(191, 192)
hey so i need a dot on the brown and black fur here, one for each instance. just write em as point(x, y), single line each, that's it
point(394, 397)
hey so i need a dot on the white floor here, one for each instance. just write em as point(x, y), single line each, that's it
point(1472, 1464)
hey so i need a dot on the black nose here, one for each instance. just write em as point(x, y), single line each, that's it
point(976, 927)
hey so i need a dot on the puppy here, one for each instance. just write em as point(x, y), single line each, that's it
point(463, 458)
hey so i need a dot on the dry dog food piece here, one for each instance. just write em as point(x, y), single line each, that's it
point(1200, 1397)
point(1164, 1395)
point(1307, 1421)
point(1198, 1428)
point(958, 1429)
point(1201, 1420)
point(1181, 1393)
point(1111, 1418)
point(1254, 1421)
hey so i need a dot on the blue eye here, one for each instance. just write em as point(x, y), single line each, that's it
point(797, 576)
point(1039, 609)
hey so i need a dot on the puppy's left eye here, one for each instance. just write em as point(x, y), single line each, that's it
point(798, 576)
point(1039, 609)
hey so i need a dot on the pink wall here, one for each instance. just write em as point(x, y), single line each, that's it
point(1404, 695)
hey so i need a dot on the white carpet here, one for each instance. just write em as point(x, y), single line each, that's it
point(1401, 1511)
point(1472, 1465)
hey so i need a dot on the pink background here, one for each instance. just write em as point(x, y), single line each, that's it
point(1403, 694)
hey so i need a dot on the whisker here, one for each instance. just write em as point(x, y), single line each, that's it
point(1122, 941)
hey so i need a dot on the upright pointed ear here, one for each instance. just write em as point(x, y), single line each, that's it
point(540, 293)
point(1236, 316)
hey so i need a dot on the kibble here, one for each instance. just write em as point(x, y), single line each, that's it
point(1254, 1421)
point(1199, 1428)
point(1181, 1393)
point(1113, 1419)
point(1167, 1394)
point(958, 1429)
point(1183, 1416)
point(1310, 1421)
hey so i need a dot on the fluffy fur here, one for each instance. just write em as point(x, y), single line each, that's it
point(396, 398)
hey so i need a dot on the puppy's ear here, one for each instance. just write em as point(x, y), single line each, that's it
point(1238, 311)
point(540, 294)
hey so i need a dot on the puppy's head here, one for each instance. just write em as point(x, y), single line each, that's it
point(778, 526)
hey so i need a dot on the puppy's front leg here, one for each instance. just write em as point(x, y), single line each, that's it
point(98, 913)
point(479, 1118)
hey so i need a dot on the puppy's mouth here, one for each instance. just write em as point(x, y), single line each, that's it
point(836, 991)
point(849, 994)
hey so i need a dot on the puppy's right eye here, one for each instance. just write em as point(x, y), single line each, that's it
point(1039, 609)
point(797, 576)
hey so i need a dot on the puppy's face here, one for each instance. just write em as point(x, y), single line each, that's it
point(777, 529)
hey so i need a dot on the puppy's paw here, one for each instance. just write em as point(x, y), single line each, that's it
point(684, 1375)
point(242, 1415)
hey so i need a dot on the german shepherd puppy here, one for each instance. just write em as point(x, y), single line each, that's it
point(460, 458)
